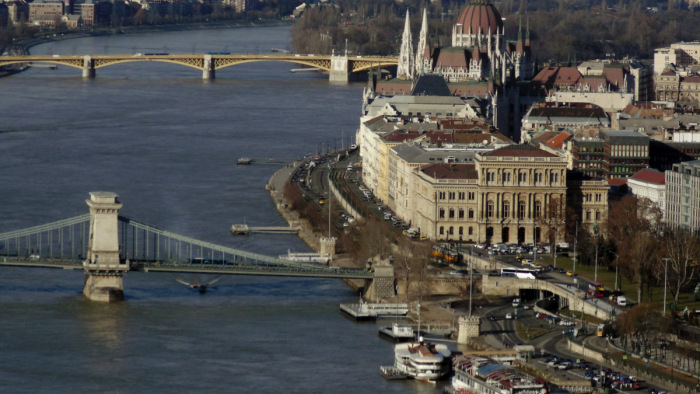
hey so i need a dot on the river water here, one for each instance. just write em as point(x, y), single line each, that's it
point(167, 142)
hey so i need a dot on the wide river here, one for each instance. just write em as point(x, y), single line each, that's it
point(167, 142)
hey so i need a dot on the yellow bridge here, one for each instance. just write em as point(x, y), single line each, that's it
point(339, 67)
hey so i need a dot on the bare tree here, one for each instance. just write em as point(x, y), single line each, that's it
point(681, 249)
point(634, 225)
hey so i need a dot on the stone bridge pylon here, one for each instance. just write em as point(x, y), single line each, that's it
point(103, 267)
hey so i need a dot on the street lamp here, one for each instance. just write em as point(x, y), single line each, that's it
point(665, 259)
point(575, 240)
point(595, 272)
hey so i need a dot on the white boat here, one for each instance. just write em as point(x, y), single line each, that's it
point(422, 360)
point(397, 332)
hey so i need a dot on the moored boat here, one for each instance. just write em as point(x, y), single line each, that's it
point(423, 360)
point(397, 332)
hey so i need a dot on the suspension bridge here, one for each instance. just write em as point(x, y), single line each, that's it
point(106, 245)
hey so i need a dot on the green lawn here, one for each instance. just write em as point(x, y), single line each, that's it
point(607, 279)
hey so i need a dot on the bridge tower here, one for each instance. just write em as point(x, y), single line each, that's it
point(209, 69)
point(104, 268)
point(339, 68)
point(88, 67)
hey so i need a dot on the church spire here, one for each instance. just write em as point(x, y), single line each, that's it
point(519, 45)
point(527, 33)
point(422, 44)
point(405, 69)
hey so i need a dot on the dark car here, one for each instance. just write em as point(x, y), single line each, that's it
point(494, 273)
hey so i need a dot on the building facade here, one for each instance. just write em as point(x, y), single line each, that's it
point(683, 196)
point(514, 194)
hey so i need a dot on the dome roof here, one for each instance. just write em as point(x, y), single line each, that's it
point(480, 15)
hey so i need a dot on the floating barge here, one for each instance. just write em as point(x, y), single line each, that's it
point(244, 161)
point(244, 229)
point(365, 311)
point(320, 258)
point(397, 332)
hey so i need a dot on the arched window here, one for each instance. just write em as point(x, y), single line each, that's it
point(452, 230)
point(461, 230)
point(461, 213)
point(442, 230)
point(442, 213)
point(471, 213)
point(471, 230)
point(452, 213)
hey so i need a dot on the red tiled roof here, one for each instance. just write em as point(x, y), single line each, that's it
point(650, 176)
point(558, 76)
point(384, 87)
point(450, 171)
point(616, 182)
point(614, 75)
point(558, 140)
point(693, 79)
point(439, 136)
point(520, 151)
point(452, 59)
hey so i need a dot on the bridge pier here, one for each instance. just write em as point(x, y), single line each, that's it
point(103, 267)
point(209, 71)
point(339, 69)
point(88, 67)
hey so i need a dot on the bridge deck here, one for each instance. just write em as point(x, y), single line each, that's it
point(219, 269)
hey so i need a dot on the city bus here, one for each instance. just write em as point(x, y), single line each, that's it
point(595, 289)
point(520, 273)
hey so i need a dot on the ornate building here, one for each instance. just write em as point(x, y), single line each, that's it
point(480, 63)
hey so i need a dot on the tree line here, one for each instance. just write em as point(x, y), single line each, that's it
point(560, 31)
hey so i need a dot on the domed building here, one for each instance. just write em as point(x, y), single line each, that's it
point(480, 62)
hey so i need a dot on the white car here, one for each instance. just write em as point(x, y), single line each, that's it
point(509, 316)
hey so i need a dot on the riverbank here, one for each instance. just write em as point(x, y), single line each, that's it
point(432, 313)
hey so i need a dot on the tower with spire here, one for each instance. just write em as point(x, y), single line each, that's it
point(423, 59)
point(406, 68)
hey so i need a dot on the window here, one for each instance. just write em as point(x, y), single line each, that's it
point(521, 210)
point(461, 213)
point(451, 230)
point(461, 230)
point(597, 214)
point(452, 195)
point(471, 231)
point(538, 209)
point(471, 213)
point(461, 195)
point(588, 215)
point(506, 210)
point(442, 213)
point(452, 213)
point(441, 195)
point(489, 209)
point(472, 195)
point(442, 230)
